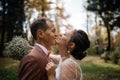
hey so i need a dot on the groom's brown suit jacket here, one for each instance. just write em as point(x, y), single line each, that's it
point(32, 66)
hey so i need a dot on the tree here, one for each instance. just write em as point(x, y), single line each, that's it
point(34, 9)
point(12, 20)
point(2, 25)
point(60, 15)
point(41, 6)
point(109, 11)
point(117, 40)
point(45, 8)
point(15, 17)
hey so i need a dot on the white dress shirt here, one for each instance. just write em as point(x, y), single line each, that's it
point(43, 48)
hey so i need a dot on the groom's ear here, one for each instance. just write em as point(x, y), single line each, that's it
point(40, 33)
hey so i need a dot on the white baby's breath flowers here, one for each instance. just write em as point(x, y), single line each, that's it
point(17, 47)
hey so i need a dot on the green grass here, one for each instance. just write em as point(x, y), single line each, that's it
point(93, 69)
point(97, 69)
point(8, 69)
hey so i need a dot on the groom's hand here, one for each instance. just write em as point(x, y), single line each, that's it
point(50, 68)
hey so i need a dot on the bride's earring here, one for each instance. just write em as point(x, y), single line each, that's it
point(68, 51)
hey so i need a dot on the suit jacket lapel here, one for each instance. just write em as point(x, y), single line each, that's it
point(41, 52)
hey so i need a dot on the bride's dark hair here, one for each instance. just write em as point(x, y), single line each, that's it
point(82, 43)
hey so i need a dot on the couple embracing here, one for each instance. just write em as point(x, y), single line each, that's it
point(38, 65)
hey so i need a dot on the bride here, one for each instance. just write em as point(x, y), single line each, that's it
point(72, 48)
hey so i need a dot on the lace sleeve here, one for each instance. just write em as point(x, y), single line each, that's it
point(69, 70)
point(78, 72)
point(55, 58)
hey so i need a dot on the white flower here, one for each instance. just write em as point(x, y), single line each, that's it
point(17, 47)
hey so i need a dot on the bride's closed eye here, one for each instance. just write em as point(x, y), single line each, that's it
point(65, 34)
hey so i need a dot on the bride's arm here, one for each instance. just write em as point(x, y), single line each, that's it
point(50, 68)
point(55, 58)
point(68, 71)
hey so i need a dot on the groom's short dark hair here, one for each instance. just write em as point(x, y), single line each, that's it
point(40, 23)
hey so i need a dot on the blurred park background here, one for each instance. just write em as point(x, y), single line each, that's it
point(99, 18)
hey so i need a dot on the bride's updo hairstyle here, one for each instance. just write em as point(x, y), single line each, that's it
point(82, 43)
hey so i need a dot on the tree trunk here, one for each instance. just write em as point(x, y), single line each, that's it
point(43, 8)
point(2, 41)
point(108, 32)
point(2, 30)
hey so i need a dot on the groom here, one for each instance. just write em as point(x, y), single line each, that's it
point(32, 66)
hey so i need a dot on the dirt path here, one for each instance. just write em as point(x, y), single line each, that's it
point(93, 59)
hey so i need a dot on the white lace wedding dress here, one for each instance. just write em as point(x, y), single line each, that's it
point(68, 69)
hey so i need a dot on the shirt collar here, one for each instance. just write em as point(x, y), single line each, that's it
point(43, 48)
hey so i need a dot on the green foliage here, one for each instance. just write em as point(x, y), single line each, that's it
point(106, 56)
point(17, 48)
point(113, 56)
point(116, 55)
point(13, 17)
point(11, 21)
point(91, 50)
point(108, 10)
point(117, 39)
